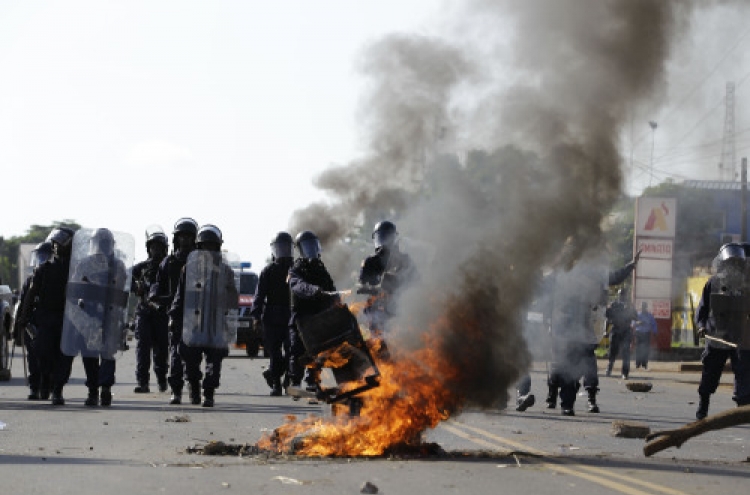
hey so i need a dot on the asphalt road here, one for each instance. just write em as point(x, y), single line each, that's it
point(135, 446)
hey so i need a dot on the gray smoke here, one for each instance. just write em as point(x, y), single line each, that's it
point(543, 170)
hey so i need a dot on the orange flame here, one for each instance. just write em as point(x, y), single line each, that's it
point(412, 397)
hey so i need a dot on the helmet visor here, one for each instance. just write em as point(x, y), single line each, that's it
point(309, 248)
point(384, 238)
point(39, 257)
point(281, 249)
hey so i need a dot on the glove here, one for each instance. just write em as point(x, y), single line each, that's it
point(701, 332)
point(258, 326)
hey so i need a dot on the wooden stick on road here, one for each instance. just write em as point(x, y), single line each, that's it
point(675, 438)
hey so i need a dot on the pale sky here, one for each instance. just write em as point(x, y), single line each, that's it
point(126, 114)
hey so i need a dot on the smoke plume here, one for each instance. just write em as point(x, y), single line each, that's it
point(494, 155)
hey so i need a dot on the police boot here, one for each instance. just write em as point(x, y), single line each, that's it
point(276, 388)
point(106, 396)
point(195, 393)
point(609, 369)
point(57, 397)
point(269, 378)
point(208, 399)
point(44, 389)
point(176, 396)
point(552, 397)
point(34, 394)
point(142, 389)
point(593, 407)
point(702, 411)
point(524, 402)
point(162, 384)
point(93, 399)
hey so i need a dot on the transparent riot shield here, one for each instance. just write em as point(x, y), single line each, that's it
point(731, 319)
point(97, 293)
point(211, 297)
point(579, 296)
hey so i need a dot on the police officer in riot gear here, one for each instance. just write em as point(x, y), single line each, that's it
point(728, 287)
point(41, 254)
point(150, 323)
point(621, 315)
point(272, 309)
point(46, 296)
point(383, 274)
point(163, 291)
point(577, 293)
point(312, 291)
point(209, 238)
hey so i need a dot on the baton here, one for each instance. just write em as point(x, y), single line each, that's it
point(720, 341)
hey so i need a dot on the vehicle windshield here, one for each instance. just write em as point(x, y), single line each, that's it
point(248, 283)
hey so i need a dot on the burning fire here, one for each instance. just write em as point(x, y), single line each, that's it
point(413, 396)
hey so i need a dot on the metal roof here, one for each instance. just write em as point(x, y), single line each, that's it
point(713, 185)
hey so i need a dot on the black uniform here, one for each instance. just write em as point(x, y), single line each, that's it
point(390, 270)
point(30, 342)
point(151, 330)
point(715, 356)
point(309, 281)
point(162, 294)
point(621, 315)
point(192, 356)
point(46, 297)
point(272, 307)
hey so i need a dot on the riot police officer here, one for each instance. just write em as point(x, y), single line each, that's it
point(206, 335)
point(163, 291)
point(312, 291)
point(621, 315)
point(41, 254)
point(46, 296)
point(725, 330)
point(272, 309)
point(150, 323)
point(383, 274)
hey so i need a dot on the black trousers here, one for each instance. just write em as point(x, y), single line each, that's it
point(152, 335)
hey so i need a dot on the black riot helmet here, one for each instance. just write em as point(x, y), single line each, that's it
point(154, 233)
point(183, 235)
point(746, 248)
point(731, 258)
point(209, 238)
point(41, 254)
point(308, 245)
point(281, 246)
point(62, 240)
point(384, 234)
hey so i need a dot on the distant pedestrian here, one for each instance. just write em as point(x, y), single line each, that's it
point(621, 315)
point(645, 326)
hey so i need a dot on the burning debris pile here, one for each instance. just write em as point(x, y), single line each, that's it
point(494, 218)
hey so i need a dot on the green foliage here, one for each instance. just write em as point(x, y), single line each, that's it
point(9, 248)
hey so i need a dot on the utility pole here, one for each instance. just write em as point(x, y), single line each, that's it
point(727, 167)
point(743, 202)
point(653, 140)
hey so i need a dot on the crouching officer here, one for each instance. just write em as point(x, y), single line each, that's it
point(46, 298)
point(313, 291)
point(150, 321)
point(722, 317)
point(204, 313)
point(272, 309)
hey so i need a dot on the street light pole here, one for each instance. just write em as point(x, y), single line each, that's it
point(653, 139)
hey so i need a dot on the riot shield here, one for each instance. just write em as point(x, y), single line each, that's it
point(211, 297)
point(97, 293)
point(579, 295)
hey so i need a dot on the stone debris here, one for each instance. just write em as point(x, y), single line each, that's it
point(368, 487)
point(178, 419)
point(630, 429)
point(639, 386)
